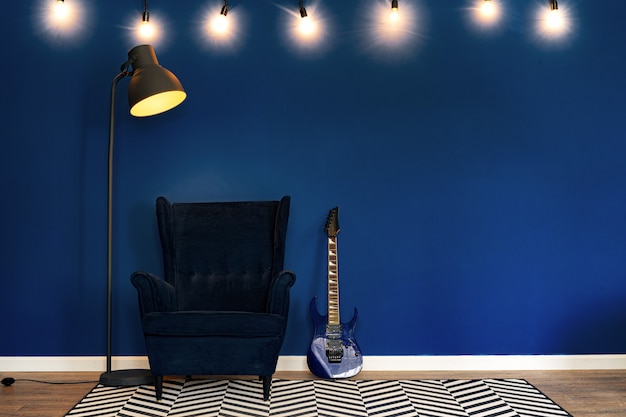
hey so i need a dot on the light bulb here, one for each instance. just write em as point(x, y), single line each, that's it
point(554, 20)
point(306, 26)
point(394, 10)
point(61, 11)
point(219, 23)
point(146, 30)
point(487, 9)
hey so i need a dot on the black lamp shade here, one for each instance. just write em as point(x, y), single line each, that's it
point(152, 88)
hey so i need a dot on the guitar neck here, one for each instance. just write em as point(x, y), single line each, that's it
point(333, 283)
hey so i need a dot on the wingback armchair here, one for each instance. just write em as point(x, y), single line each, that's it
point(222, 305)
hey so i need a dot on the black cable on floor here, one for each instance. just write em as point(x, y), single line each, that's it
point(7, 382)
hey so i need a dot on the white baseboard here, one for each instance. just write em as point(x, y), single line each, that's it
point(370, 363)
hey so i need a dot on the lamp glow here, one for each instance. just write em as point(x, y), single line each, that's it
point(487, 9)
point(306, 26)
point(146, 30)
point(306, 30)
point(389, 39)
point(61, 11)
point(61, 23)
point(219, 24)
point(555, 24)
point(394, 10)
point(486, 12)
point(221, 28)
point(63, 16)
point(554, 20)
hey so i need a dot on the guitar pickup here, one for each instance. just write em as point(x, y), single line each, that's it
point(333, 330)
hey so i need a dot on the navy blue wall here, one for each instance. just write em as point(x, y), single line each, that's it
point(481, 173)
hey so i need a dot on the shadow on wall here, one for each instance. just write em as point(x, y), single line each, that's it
point(601, 320)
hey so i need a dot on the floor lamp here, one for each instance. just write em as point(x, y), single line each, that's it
point(152, 90)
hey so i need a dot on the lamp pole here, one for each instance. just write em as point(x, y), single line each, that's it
point(153, 90)
point(125, 377)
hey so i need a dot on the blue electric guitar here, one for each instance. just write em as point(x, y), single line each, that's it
point(334, 352)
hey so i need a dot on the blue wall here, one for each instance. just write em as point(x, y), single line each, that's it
point(481, 173)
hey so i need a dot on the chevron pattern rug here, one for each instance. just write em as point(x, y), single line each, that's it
point(322, 398)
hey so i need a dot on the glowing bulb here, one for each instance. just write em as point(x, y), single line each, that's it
point(394, 10)
point(219, 23)
point(487, 9)
point(146, 30)
point(487, 12)
point(307, 27)
point(60, 10)
point(554, 20)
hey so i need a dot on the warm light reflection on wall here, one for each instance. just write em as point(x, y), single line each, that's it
point(390, 32)
point(62, 22)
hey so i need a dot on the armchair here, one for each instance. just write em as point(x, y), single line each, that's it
point(222, 306)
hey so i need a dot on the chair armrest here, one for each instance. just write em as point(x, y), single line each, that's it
point(278, 301)
point(155, 295)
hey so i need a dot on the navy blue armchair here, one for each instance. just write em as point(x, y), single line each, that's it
point(222, 306)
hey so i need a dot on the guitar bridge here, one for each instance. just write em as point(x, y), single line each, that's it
point(334, 350)
point(334, 345)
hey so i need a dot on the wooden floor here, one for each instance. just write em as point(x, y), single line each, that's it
point(581, 393)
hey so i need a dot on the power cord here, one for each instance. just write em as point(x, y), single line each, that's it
point(7, 382)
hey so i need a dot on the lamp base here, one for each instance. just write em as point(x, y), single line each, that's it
point(127, 378)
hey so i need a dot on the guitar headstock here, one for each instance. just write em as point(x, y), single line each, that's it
point(332, 223)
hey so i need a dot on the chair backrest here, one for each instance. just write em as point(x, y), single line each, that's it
point(222, 256)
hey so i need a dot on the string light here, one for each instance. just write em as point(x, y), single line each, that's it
point(63, 24)
point(487, 8)
point(551, 22)
point(554, 19)
point(554, 23)
point(219, 23)
point(487, 12)
point(146, 30)
point(394, 10)
point(303, 13)
point(306, 25)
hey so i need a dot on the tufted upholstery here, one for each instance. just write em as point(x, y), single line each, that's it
point(222, 305)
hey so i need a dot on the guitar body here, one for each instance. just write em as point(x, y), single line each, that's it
point(334, 352)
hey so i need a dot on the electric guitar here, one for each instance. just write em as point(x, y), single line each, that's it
point(334, 352)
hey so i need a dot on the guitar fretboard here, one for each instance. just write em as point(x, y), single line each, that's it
point(333, 283)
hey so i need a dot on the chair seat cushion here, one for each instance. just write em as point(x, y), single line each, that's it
point(213, 323)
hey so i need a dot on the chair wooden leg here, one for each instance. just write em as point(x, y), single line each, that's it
point(267, 384)
point(158, 386)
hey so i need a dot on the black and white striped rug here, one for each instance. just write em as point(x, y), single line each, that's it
point(322, 398)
